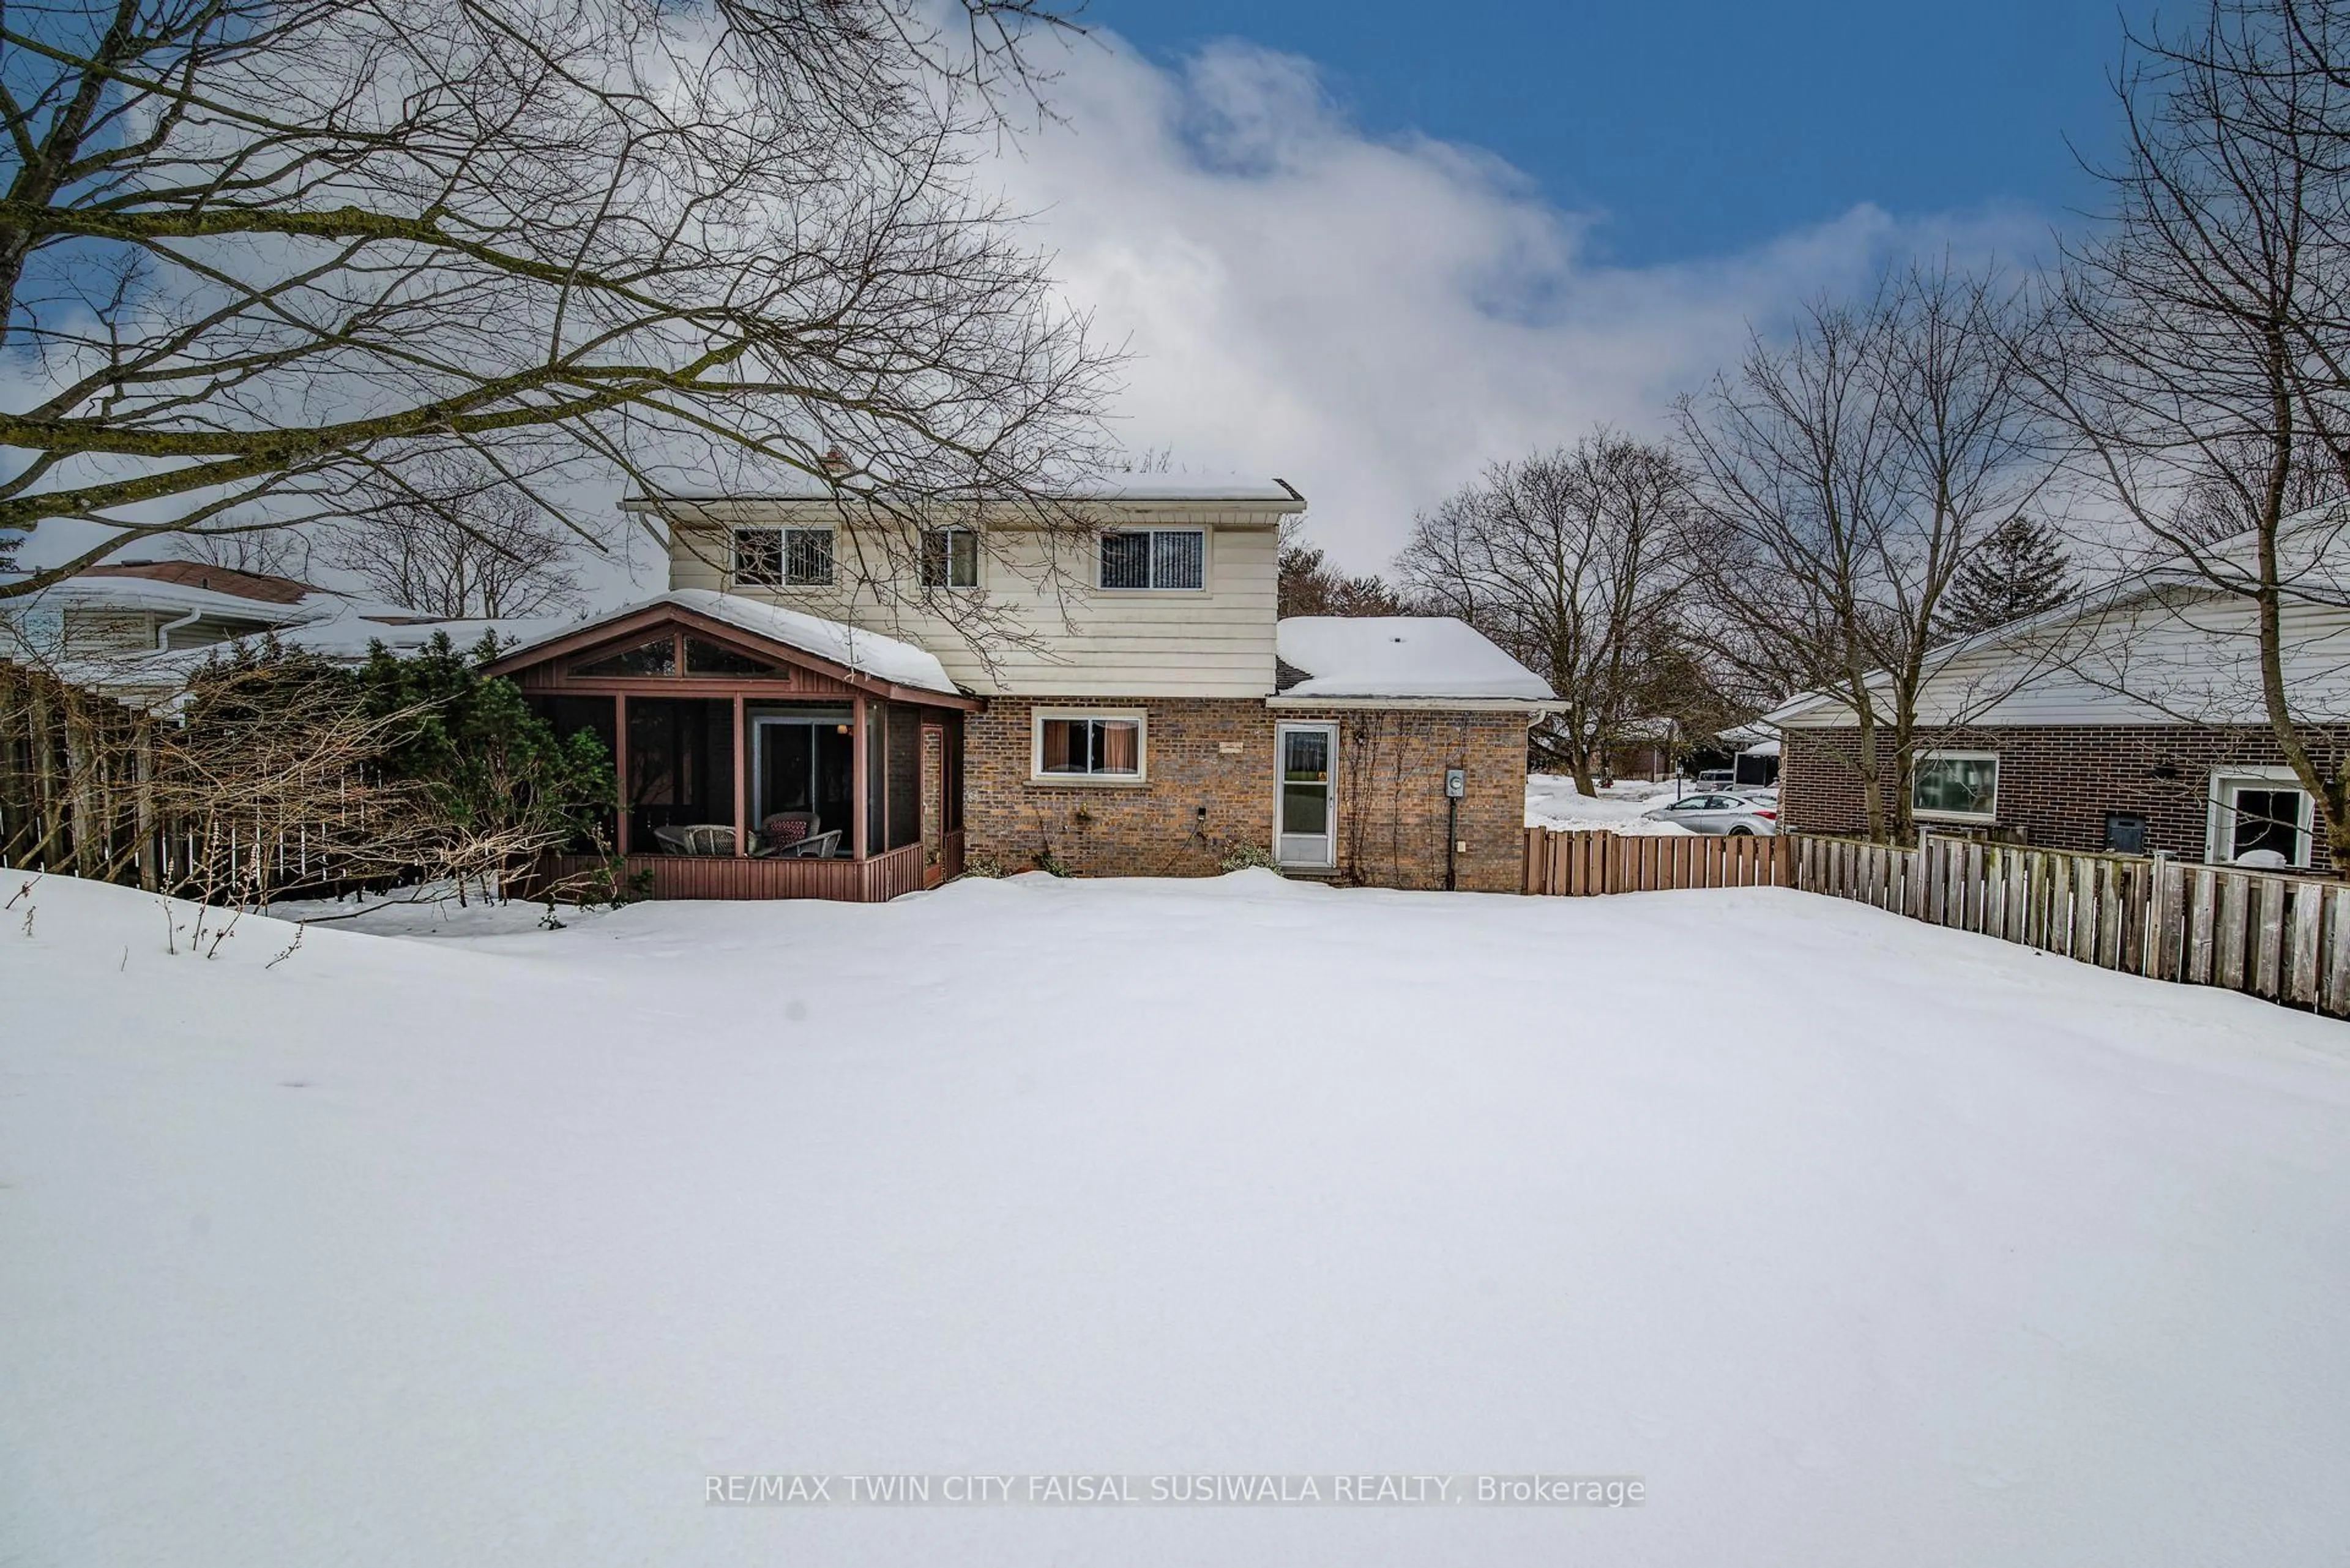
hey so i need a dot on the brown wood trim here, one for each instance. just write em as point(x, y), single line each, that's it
point(693, 686)
point(653, 616)
point(741, 877)
point(856, 773)
point(742, 773)
point(620, 771)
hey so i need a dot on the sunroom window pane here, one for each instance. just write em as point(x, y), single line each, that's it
point(648, 658)
point(711, 659)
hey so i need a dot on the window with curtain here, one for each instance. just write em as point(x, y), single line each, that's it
point(1154, 558)
point(1105, 747)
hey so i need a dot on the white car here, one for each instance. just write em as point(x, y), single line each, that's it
point(1719, 811)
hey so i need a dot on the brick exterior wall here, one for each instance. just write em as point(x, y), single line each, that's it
point(2056, 782)
point(1389, 777)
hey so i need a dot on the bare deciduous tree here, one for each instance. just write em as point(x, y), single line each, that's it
point(1309, 585)
point(449, 539)
point(1845, 478)
point(1571, 560)
point(2198, 349)
point(257, 255)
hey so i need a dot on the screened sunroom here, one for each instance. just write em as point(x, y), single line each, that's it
point(759, 753)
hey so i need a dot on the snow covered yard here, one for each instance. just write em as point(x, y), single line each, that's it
point(1862, 1241)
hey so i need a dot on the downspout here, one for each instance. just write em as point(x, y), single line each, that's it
point(163, 633)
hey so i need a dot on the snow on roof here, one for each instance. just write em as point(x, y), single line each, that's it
point(1762, 749)
point(152, 595)
point(866, 652)
point(780, 483)
point(1401, 656)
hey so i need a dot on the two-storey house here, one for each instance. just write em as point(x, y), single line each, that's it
point(839, 701)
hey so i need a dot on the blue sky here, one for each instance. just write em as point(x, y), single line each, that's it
point(1698, 128)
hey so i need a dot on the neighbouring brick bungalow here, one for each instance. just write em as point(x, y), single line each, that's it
point(2129, 719)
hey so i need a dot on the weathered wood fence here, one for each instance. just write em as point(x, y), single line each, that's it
point(2269, 934)
point(2278, 936)
point(1585, 864)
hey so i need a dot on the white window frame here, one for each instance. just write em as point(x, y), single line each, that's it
point(1140, 718)
point(1946, 756)
point(1207, 558)
point(978, 558)
point(782, 532)
point(2220, 821)
point(1329, 857)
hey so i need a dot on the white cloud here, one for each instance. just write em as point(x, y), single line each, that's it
point(1371, 318)
point(1374, 319)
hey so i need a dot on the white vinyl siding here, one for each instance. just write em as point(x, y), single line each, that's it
point(1215, 641)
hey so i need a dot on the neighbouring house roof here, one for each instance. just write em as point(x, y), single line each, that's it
point(862, 652)
point(159, 595)
point(262, 585)
point(2172, 643)
point(1405, 657)
point(235, 606)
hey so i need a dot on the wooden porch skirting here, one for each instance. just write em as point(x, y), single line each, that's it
point(874, 882)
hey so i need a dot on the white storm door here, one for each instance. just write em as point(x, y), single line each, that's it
point(1306, 815)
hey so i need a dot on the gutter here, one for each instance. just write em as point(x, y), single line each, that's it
point(1285, 704)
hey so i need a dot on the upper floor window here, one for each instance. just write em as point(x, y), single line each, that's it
point(949, 558)
point(1961, 786)
point(1154, 558)
point(783, 558)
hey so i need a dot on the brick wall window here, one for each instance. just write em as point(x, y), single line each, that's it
point(783, 558)
point(1089, 746)
point(2261, 817)
point(1956, 786)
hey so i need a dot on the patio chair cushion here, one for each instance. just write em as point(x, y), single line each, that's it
point(785, 828)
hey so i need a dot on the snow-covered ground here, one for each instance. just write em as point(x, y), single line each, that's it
point(1907, 1247)
point(1552, 801)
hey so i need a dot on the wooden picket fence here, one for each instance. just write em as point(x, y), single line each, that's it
point(2282, 937)
point(2269, 934)
point(1585, 864)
